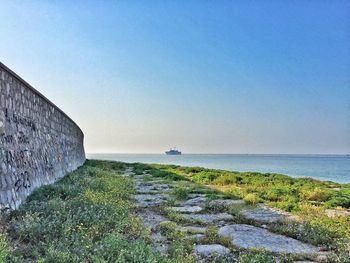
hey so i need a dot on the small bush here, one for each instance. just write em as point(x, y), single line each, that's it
point(180, 193)
point(4, 249)
point(257, 257)
point(168, 229)
point(252, 199)
point(225, 179)
point(317, 194)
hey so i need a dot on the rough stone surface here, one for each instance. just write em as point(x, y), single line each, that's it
point(195, 200)
point(187, 209)
point(151, 219)
point(159, 243)
point(148, 200)
point(197, 237)
point(149, 188)
point(38, 142)
point(248, 237)
point(224, 203)
point(263, 214)
point(209, 218)
point(193, 229)
point(210, 250)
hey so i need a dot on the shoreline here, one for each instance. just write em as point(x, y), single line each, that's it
point(297, 166)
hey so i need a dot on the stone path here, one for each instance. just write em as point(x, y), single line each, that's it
point(263, 214)
point(198, 213)
point(187, 209)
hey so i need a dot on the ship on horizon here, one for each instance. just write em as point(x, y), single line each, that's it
point(173, 152)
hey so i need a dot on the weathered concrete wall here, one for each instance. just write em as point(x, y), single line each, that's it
point(38, 142)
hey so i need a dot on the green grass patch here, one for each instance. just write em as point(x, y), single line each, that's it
point(180, 193)
point(85, 217)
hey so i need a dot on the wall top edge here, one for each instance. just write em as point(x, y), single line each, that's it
point(4, 67)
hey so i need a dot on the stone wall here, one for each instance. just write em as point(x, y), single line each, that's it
point(39, 143)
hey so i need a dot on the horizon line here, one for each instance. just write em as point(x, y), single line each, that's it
point(224, 153)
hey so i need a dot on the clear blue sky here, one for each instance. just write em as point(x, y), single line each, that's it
point(206, 76)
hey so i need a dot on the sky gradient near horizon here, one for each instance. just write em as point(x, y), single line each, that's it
point(205, 76)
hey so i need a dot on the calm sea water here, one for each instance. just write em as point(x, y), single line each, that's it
point(324, 167)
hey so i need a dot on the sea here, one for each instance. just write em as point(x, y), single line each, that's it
point(334, 168)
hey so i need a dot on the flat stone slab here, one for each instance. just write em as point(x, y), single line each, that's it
point(197, 237)
point(158, 238)
point(249, 237)
point(159, 243)
point(224, 203)
point(187, 209)
point(193, 229)
point(197, 200)
point(263, 215)
point(148, 200)
point(210, 250)
point(209, 218)
point(149, 188)
point(151, 219)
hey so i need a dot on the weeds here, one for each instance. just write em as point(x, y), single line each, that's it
point(85, 217)
point(180, 193)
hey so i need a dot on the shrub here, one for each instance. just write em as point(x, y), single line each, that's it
point(180, 193)
point(225, 179)
point(289, 204)
point(317, 194)
point(338, 201)
point(258, 257)
point(4, 249)
point(276, 193)
point(168, 229)
point(252, 199)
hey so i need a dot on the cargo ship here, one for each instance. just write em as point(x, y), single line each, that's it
point(173, 152)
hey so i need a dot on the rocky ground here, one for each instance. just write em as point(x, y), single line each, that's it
point(214, 226)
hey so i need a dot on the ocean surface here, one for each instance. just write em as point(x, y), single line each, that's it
point(323, 167)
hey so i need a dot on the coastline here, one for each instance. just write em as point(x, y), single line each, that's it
point(334, 168)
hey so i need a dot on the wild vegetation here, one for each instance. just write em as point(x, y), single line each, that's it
point(278, 190)
point(85, 217)
point(306, 198)
point(90, 216)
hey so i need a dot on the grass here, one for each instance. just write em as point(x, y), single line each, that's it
point(279, 190)
point(180, 193)
point(4, 249)
point(85, 217)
